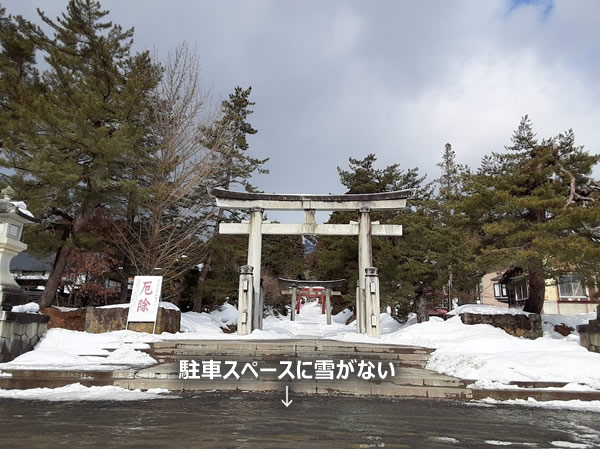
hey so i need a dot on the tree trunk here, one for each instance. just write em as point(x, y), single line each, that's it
point(123, 293)
point(537, 289)
point(55, 278)
point(421, 307)
point(62, 256)
point(198, 295)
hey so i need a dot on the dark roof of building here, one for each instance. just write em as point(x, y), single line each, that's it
point(26, 262)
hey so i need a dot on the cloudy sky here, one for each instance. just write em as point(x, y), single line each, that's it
point(338, 79)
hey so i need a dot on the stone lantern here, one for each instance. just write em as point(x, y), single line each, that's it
point(12, 220)
point(19, 331)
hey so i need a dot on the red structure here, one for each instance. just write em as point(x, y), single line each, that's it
point(301, 289)
point(311, 292)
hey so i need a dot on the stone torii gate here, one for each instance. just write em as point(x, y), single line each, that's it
point(315, 288)
point(249, 306)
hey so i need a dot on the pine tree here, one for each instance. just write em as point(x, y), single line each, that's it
point(535, 207)
point(408, 265)
point(228, 136)
point(459, 242)
point(451, 176)
point(77, 130)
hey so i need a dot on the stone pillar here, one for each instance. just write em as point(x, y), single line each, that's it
point(357, 308)
point(19, 331)
point(254, 260)
point(245, 298)
point(294, 299)
point(365, 260)
point(12, 221)
point(373, 308)
point(258, 311)
point(328, 305)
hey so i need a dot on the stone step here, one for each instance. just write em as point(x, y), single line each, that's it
point(403, 376)
point(537, 384)
point(25, 379)
point(407, 360)
point(537, 394)
point(305, 387)
point(408, 382)
point(290, 345)
point(293, 349)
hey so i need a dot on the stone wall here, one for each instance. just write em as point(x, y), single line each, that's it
point(73, 319)
point(528, 326)
point(98, 320)
point(19, 333)
point(589, 334)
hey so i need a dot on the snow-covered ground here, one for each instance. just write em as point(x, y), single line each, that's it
point(487, 355)
point(78, 392)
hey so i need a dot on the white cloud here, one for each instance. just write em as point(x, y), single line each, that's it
point(399, 79)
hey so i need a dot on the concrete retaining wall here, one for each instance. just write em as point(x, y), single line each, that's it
point(19, 333)
point(589, 334)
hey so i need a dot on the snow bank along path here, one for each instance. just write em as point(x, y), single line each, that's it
point(487, 355)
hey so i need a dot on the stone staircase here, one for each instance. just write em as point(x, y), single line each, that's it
point(410, 380)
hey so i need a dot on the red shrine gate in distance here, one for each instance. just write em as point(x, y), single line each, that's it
point(311, 289)
point(250, 298)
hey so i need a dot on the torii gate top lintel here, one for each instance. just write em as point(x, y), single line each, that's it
point(270, 201)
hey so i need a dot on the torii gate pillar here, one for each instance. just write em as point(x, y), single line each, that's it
point(365, 260)
point(254, 260)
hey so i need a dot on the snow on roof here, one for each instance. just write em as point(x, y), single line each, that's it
point(22, 207)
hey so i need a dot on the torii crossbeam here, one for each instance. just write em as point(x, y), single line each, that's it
point(257, 203)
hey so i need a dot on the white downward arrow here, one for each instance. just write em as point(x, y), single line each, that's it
point(286, 402)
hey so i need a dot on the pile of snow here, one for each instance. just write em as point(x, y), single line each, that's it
point(482, 309)
point(342, 317)
point(572, 321)
point(575, 404)
point(22, 207)
point(226, 315)
point(486, 354)
point(63, 349)
point(30, 307)
point(66, 309)
point(200, 323)
point(78, 392)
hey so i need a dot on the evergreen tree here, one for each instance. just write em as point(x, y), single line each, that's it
point(535, 207)
point(75, 132)
point(451, 176)
point(228, 136)
point(459, 243)
point(408, 265)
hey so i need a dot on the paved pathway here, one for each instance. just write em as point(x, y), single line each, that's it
point(246, 420)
